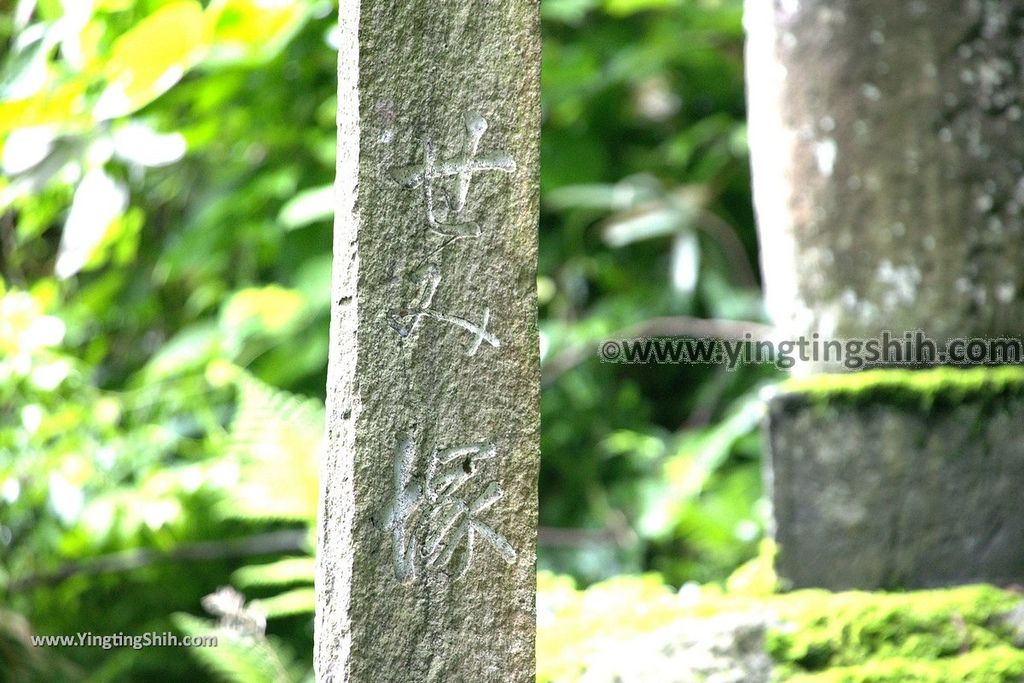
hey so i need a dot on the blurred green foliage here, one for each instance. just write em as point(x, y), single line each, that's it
point(165, 234)
point(646, 214)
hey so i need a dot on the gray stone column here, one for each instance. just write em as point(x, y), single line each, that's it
point(887, 141)
point(426, 568)
point(898, 479)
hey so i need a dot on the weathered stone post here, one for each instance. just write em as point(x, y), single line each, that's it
point(888, 159)
point(426, 550)
point(887, 142)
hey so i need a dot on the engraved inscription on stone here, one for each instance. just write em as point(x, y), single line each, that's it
point(437, 521)
point(436, 524)
point(407, 320)
point(444, 205)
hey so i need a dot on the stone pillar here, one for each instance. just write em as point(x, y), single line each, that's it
point(426, 567)
point(888, 157)
point(887, 142)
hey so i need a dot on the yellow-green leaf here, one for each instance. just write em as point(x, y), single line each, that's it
point(98, 203)
point(56, 105)
point(297, 601)
point(151, 57)
point(270, 310)
point(281, 572)
point(253, 29)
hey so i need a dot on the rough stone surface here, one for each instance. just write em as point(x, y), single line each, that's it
point(721, 649)
point(426, 567)
point(887, 148)
point(881, 492)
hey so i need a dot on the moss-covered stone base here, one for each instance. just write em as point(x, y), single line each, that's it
point(898, 479)
point(970, 633)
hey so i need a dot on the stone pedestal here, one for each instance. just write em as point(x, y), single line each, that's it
point(897, 479)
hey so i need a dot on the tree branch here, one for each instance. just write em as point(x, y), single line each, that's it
point(670, 326)
point(284, 541)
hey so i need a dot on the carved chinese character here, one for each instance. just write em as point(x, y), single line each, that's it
point(407, 320)
point(448, 520)
point(444, 205)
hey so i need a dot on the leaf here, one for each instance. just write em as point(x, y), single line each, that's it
point(151, 57)
point(277, 437)
point(298, 601)
point(566, 11)
point(625, 194)
point(622, 8)
point(191, 348)
point(712, 447)
point(27, 68)
point(268, 310)
point(698, 456)
point(685, 262)
point(253, 30)
point(590, 196)
point(313, 281)
point(99, 200)
point(60, 104)
point(307, 207)
point(281, 572)
point(236, 659)
point(137, 143)
point(642, 224)
point(26, 148)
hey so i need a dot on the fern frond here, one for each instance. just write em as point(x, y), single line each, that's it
point(277, 438)
point(289, 603)
point(235, 659)
point(279, 573)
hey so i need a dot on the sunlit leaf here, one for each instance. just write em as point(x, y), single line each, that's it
point(150, 58)
point(686, 473)
point(192, 347)
point(625, 194)
point(235, 659)
point(58, 104)
point(288, 570)
point(253, 29)
point(26, 69)
point(73, 24)
point(685, 262)
point(278, 438)
point(309, 206)
point(642, 224)
point(268, 310)
point(592, 196)
point(98, 201)
point(627, 7)
point(137, 143)
point(61, 165)
point(27, 147)
point(113, 5)
point(298, 601)
point(66, 499)
point(566, 11)
point(700, 457)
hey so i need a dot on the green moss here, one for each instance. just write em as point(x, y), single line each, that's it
point(829, 630)
point(935, 636)
point(995, 665)
point(915, 388)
